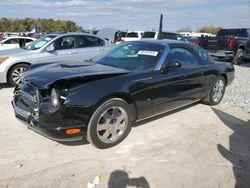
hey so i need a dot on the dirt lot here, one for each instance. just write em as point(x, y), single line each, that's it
point(201, 146)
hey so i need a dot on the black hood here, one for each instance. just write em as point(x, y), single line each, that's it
point(46, 75)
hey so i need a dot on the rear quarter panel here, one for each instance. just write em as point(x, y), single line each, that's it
point(213, 70)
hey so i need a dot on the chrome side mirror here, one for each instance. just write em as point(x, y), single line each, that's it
point(50, 48)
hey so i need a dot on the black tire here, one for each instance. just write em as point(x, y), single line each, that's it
point(10, 76)
point(92, 133)
point(239, 57)
point(209, 100)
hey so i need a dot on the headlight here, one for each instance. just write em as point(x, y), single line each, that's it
point(2, 59)
point(54, 98)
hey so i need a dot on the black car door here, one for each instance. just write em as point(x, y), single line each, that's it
point(179, 85)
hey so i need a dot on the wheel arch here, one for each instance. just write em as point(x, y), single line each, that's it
point(9, 69)
point(242, 47)
point(224, 76)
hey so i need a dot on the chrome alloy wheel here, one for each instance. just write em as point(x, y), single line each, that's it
point(218, 91)
point(112, 124)
point(16, 74)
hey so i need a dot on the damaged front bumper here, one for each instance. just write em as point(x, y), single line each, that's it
point(27, 109)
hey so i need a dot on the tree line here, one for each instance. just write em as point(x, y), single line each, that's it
point(42, 25)
point(204, 29)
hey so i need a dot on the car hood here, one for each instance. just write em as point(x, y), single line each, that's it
point(10, 51)
point(17, 53)
point(46, 75)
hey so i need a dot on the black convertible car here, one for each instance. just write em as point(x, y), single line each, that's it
point(100, 99)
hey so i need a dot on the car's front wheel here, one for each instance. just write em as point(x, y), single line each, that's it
point(14, 75)
point(217, 92)
point(110, 124)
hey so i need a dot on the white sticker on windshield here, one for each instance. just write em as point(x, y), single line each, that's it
point(47, 39)
point(150, 53)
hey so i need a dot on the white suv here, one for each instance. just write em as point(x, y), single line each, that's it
point(52, 48)
point(133, 36)
point(165, 35)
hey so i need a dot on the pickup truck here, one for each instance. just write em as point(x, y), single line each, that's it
point(228, 43)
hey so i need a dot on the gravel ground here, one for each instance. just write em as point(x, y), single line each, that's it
point(238, 93)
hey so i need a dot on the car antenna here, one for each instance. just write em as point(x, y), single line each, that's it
point(160, 28)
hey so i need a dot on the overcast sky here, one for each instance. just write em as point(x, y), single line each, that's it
point(134, 14)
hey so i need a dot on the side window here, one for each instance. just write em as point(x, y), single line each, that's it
point(203, 54)
point(148, 35)
point(101, 42)
point(11, 41)
point(28, 40)
point(88, 41)
point(170, 36)
point(67, 42)
point(183, 55)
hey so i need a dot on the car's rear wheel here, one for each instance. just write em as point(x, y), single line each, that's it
point(110, 124)
point(239, 57)
point(14, 77)
point(217, 92)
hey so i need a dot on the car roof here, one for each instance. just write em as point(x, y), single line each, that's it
point(72, 33)
point(162, 32)
point(17, 37)
point(134, 31)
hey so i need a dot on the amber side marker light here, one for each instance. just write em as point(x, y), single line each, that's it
point(2, 59)
point(73, 131)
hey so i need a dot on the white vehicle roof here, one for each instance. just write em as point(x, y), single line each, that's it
point(19, 37)
point(136, 31)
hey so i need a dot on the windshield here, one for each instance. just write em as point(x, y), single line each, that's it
point(40, 42)
point(132, 56)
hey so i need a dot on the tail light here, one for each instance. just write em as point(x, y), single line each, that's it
point(231, 43)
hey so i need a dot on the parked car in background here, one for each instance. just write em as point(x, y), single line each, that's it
point(133, 36)
point(15, 42)
point(165, 35)
point(50, 48)
point(192, 40)
point(1, 36)
point(132, 81)
point(228, 43)
point(112, 35)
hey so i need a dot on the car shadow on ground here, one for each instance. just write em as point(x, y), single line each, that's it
point(245, 65)
point(239, 147)
point(2, 86)
point(75, 143)
point(120, 178)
